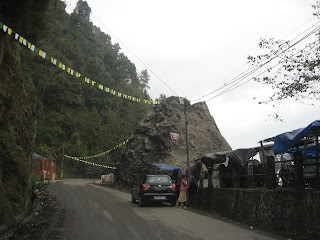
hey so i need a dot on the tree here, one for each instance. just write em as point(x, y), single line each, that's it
point(26, 17)
point(81, 12)
point(144, 78)
point(296, 73)
point(161, 97)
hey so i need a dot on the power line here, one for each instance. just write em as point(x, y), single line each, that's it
point(249, 72)
point(230, 89)
point(253, 66)
point(135, 56)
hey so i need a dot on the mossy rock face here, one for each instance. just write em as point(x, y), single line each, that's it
point(15, 137)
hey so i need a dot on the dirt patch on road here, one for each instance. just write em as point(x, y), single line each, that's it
point(46, 220)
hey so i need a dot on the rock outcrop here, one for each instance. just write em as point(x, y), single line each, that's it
point(152, 142)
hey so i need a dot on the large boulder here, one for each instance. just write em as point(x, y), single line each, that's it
point(152, 142)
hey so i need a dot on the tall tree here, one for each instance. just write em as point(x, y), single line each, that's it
point(296, 72)
point(25, 16)
point(81, 13)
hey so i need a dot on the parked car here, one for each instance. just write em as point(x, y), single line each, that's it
point(154, 188)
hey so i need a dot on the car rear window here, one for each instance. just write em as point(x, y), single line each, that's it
point(158, 179)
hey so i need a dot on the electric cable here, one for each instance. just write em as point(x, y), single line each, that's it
point(230, 89)
point(136, 56)
point(246, 73)
point(280, 45)
point(241, 76)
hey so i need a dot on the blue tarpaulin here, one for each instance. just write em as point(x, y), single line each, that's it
point(34, 155)
point(309, 151)
point(288, 140)
point(165, 166)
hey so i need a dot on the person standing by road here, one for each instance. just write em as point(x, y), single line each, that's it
point(183, 192)
point(192, 191)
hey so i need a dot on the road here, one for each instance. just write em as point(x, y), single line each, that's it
point(94, 212)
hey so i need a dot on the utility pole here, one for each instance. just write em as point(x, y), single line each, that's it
point(62, 160)
point(186, 103)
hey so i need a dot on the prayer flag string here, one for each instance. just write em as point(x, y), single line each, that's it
point(69, 70)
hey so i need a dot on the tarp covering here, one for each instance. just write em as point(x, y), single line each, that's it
point(309, 151)
point(238, 156)
point(165, 166)
point(288, 140)
point(34, 155)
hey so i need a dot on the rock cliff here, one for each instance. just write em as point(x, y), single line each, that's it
point(152, 142)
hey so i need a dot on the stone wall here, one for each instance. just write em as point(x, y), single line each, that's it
point(293, 213)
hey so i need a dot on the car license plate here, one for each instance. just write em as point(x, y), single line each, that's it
point(159, 197)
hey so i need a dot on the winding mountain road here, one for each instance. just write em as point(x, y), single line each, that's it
point(94, 212)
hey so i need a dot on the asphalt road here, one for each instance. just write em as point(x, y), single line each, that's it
point(95, 212)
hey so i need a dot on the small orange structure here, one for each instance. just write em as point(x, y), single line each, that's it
point(44, 166)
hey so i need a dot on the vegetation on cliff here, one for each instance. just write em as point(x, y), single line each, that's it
point(46, 110)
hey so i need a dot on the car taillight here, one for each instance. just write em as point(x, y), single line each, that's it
point(173, 187)
point(144, 187)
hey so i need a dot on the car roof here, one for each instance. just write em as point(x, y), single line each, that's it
point(158, 175)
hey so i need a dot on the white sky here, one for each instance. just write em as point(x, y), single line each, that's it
point(196, 46)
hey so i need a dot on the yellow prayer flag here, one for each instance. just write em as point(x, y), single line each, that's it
point(20, 39)
point(9, 31)
point(40, 52)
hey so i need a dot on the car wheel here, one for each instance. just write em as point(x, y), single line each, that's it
point(132, 198)
point(141, 202)
point(173, 203)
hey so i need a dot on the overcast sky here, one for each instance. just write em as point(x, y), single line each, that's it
point(197, 46)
